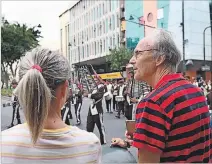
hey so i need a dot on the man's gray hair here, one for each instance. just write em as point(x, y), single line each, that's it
point(165, 46)
point(36, 88)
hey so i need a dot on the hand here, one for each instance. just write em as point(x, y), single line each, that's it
point(134, 100)
point(119, 142)
point(129, 137)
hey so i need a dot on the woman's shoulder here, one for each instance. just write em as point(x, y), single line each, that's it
point(12, 133)
point(83, 133)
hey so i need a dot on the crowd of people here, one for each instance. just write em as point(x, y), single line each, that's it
point(172, 122)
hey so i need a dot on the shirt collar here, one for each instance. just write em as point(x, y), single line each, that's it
point(169, 77)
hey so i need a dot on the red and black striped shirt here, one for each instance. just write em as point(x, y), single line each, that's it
point(174, 121)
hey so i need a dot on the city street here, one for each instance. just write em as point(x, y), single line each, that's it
point(114, 127)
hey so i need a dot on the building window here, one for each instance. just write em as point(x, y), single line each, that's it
point(118, 21)
point(88, 51)
point(100, 10)
point(110, 26)
point(103, 7)
point(95, 48)
point(97, 13)
point(106, 25)
point(100, 28)
point(61, 40)
point(104, 46)
point(100, 46)
point(83, 51)
point(66, 40)
point(110, 9)
point(94, 30)
point(118, 40)
point(114, 41)
point(113, 22)
point(112, 4)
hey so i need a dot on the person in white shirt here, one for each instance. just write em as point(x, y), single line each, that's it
point(108, 96)
point(15, 105)
point(195, 83)
point(120, 103)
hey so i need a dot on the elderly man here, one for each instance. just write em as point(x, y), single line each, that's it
point(172, 122)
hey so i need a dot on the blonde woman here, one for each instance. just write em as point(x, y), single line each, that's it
point(45, 138)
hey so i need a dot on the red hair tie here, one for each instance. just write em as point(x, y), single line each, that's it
point(37, 67)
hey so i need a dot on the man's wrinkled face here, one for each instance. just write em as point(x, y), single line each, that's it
point(143, 61)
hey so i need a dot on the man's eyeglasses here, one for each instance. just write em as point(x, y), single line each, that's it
point(136, 53)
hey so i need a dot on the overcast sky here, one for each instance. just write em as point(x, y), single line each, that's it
point(33, 13)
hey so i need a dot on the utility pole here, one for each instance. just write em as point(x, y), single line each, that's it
point(183, 36)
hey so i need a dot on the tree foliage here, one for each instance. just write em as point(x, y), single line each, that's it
point(16, 39)
point(119, 57)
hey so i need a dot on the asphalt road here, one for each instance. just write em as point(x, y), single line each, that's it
point(114, 127)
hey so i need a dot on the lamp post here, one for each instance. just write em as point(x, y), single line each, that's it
point(69, 47)
point(204, 44)
point(183, 37)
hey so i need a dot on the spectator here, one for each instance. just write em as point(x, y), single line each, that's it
point(172, 122)
point(45, 138)
point(195, 83)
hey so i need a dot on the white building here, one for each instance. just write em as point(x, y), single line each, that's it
point(93, 28)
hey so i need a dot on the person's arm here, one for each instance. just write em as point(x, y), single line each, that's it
point(149, 137)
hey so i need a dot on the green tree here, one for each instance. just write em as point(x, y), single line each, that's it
point(16, 39)
point(118, 58)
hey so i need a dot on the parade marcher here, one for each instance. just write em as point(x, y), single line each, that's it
point(128, 107)
point(209, 100)
point(66, 110)
point(15, 105)
point(172, 122)
point(45, 138)
point(120, 98)
point(108, 96)
point(78, 104)
point(115, 93)
point(95, 112)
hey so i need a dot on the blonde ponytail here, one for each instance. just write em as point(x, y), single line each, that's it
point(35, 97)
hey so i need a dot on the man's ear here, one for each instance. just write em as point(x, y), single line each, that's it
point(160, 59)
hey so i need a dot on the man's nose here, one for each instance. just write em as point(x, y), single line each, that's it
point(132, 60)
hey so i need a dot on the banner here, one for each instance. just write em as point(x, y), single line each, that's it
point(114, 75)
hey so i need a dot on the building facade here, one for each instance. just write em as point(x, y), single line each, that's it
point(94, 29)
point(167, 14)
point(64, 33)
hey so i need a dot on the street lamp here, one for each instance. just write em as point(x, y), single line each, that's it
point(132, 18)
point(183, 37)
point(69, 46)
point(204, 44)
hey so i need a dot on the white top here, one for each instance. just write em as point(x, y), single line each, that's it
point(121, 88)
point(61, 146)
point(109, 88)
